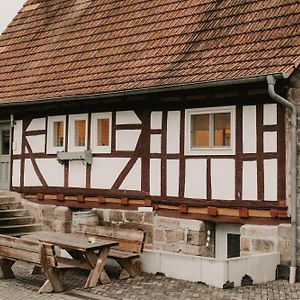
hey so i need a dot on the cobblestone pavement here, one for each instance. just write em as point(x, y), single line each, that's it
point(143, 287)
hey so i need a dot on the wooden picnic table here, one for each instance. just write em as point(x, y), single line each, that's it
point(85, 255)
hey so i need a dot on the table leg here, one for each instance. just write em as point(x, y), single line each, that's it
point(97, 263)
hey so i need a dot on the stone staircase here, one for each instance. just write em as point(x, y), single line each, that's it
point(14, 219)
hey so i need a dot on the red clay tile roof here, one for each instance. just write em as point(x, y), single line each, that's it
point(57, 48)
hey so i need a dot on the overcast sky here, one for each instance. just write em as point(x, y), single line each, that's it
point(8, 9)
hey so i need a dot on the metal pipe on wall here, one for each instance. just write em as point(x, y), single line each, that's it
point(271, 88)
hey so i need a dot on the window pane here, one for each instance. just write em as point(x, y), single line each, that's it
point(5, 142)
point(222, 132)
point(103, 132)
point(200, 130)
point(58, 134)
point(79, 132)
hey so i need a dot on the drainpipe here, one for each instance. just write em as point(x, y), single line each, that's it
point(271, 84)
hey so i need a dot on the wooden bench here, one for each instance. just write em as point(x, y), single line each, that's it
point(39, 254)
point(127, 253)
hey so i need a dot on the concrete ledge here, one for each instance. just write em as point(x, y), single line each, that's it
point(260, 267)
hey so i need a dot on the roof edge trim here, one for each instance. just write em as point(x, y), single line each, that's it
point(157, 89)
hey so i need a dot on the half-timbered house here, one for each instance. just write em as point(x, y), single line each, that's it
point(165, 107)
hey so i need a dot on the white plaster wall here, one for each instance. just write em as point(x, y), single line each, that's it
point(17, 138)
point(173, 132)
point(249, 129)
point(195, 178)
point(77, 174)
point(30, 177)
point(249, 180)
point(37, 143)
point(156, 120)
point(133, 180)
point(155, 179)
point(127, 117)
point(172, 177)
point(223, 179)
point(16, 172)
point(270, 141)
point(105, 171)
point(270, 114)
point(126, 140)
point(270, 179)
point(37, 124)
point(221, 238)
point(155, 143)
point(52, 171)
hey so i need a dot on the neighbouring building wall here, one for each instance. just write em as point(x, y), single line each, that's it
point(294, 96)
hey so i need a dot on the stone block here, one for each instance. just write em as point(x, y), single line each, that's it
point(47, 212)
point(100, 214)
point(245, 245)
point(174, 236)
point(133, 216)
point(196, 237)
point(259, 231)
point(169, 247)
point(159, 235)
point(263, 246)
point(106, 214)
point(193, 250)
point(63, 213)
point(148, 218)
point(284, 230)
point(116, 216)
point(193, 225)
point(61, 226)
point(165, 222)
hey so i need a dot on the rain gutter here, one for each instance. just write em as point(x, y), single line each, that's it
point(271, 88)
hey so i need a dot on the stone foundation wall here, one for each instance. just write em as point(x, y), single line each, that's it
point(256, 239)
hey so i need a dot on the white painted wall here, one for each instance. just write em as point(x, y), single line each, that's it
point(30, 177)
point(270, 179)
point(221, 238)
point(249, 191)
point(105, 171)
point(155, 177)
point(16, 172)
point(77, 174)
point(270, 141)
point(173, 132)
point(172, 177)
point(133, 180)
point(127, 117)
point(37, 124)
point(155, 143)
point(126, 140)
point(17, 137)
point(223, 179)
point(156, 120)
point(37, 143)
point(195, 178)
point(249, 129)
point(52, 171)
point(270, 114)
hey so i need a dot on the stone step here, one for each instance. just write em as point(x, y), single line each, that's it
point(13, 213)
point(10, 205)
point(12, 229)
point(7, 199)
point(17, 220)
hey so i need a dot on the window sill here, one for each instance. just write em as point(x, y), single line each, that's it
point(85, 155)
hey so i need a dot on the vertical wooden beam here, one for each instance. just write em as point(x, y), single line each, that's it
point(182, 158)
point(88, 166)
point(208, 179)
point(259, 150)
point(66, 165)
point(113, 132)
point(238, 153)
point(164, 154)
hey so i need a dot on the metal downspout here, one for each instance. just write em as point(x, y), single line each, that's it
point(271, 88)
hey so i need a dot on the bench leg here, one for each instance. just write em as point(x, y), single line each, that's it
point(129, 267)
point(53, 283)
point(97, 263)
point(5, 265)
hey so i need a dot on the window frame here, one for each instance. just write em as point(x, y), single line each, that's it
point(51, 149)
point(94, 132)
point(71, 132)
point(210, 150)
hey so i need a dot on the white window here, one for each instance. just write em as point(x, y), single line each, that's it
point(78, 125)
point(101, 132)
point(56, 134)
point(210, 131)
